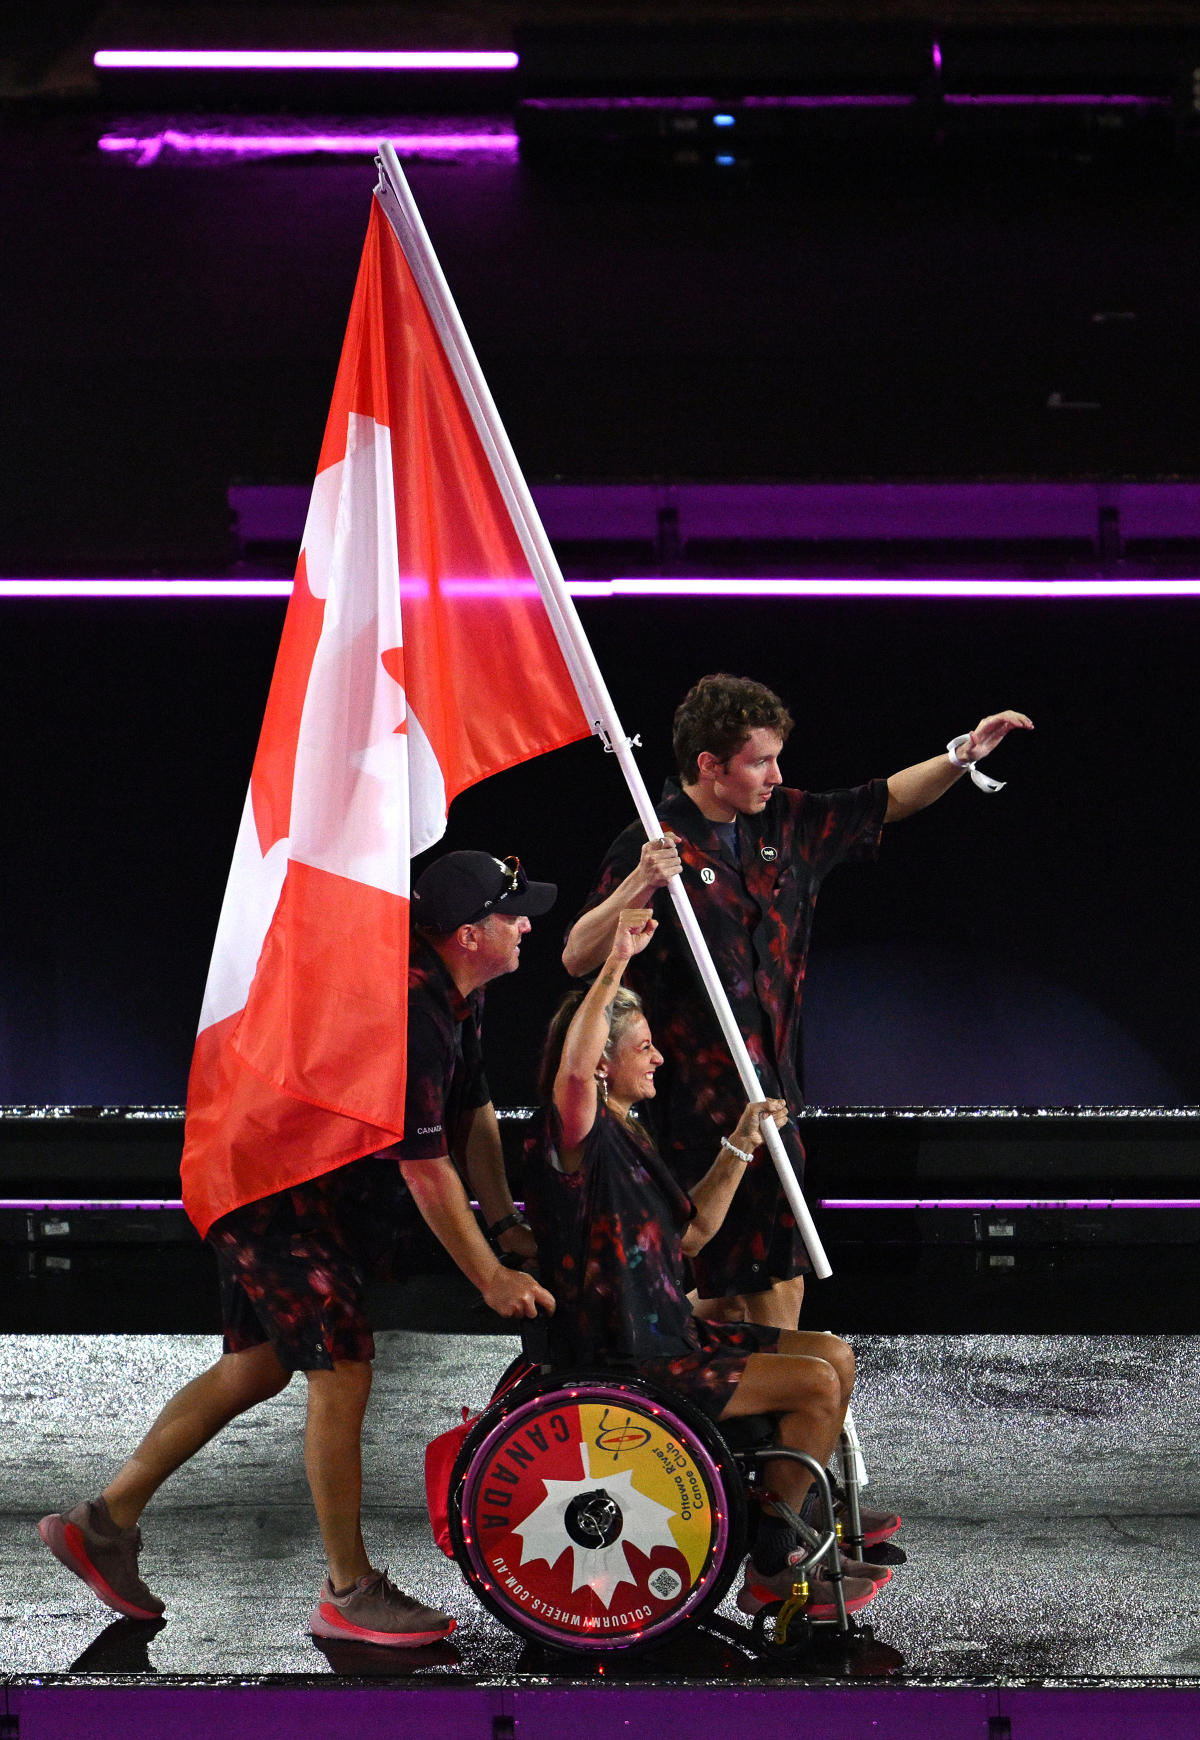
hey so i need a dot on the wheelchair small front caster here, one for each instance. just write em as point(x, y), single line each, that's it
point(790, 1631)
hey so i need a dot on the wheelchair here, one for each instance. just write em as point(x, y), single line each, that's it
point(597, 1514)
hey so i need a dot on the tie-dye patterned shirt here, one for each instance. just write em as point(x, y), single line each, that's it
point(756, 912)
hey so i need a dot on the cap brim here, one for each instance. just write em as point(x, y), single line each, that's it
point(534, 899)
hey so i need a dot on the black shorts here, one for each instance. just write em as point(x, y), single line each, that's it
point(292, 1267)
point(709, 1376)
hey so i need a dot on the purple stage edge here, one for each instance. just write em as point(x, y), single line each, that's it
point(716, 586)
point(592, 1712)
point(303, 60)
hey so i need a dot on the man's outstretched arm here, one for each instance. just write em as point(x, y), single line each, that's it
point(916, 787)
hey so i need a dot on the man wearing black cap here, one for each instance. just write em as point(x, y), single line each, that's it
point(292, 1267)
point(470, 912)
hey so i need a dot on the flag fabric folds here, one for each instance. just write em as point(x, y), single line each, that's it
point(416, 659)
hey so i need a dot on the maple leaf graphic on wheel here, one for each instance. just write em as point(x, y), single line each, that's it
point(645, 1524)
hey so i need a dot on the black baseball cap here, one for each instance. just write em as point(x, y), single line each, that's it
point(464, 887)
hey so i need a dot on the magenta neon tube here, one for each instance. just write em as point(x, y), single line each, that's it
point(343, 144)
point(45, 1205)
point(714, 587)
point(303, 60)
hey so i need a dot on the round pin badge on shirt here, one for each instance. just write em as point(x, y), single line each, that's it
point(708, 876)
point(768, 854)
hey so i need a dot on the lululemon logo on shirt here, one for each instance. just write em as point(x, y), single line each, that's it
point(768, 854)
point(708, 876)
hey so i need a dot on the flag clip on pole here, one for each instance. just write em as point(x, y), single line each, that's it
point(399, 207)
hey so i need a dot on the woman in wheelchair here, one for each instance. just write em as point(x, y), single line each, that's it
point(613, 1228)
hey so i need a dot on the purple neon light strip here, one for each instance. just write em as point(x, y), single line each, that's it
point(1014, 1202)
point(698, 587)
point(304, 60)
point(45, 1205)
point(347, 144)
point(1057, 100)
point(707, 105)
point(145, 588)
point(69, 1205)
point(860, 587)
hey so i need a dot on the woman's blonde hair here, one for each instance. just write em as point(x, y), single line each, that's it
point(625, 1005)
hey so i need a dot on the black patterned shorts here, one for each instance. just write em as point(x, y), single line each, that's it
point(292, 1267)
point(709, 1375)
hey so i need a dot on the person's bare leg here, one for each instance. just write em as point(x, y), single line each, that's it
point(731, 1309)
point(808, 1395)
point(819, 1345)
point(195, 1414)
point(337, 1401)
point(779, 1307)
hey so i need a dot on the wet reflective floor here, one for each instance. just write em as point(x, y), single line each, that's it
point(1048, 1486)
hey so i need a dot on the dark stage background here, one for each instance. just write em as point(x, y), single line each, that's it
point(1020, 305)
point(1037, 947)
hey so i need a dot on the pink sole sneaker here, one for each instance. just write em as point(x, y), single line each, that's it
point(326, 1621)
point(820, 1603)
point(65, 1540)
point(883, 1530)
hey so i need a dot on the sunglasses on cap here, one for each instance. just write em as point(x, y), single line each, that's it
point(515, 882)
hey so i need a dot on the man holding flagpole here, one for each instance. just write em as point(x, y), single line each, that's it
point(752, 854)
point(292, 1267)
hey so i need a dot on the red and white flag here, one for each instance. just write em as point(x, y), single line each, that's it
point(417, 658)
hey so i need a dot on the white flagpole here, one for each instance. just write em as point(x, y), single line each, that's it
point(396, 199)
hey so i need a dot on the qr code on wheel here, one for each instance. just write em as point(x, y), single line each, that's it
point(665, 1583)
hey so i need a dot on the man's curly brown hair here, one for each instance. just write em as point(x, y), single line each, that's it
point(719, 714)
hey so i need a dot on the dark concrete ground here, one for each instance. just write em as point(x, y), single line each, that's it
point(1048, 1484)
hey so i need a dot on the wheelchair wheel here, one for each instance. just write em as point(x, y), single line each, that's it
point(594, 1515)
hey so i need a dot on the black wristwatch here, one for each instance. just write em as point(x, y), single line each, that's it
point(505, 1224)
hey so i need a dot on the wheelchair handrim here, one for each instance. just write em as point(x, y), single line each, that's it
point(514, 1502)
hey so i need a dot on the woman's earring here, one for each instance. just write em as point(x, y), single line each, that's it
point(602, 1084)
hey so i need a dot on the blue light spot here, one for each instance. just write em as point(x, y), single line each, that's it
point(724, 161)
point(724, 120)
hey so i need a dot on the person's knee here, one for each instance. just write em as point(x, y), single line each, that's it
point(347, 1384)
point(823, 1391)
point(251, 1376)
point(840, 1356)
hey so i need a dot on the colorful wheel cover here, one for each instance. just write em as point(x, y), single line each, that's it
point(593, 1517)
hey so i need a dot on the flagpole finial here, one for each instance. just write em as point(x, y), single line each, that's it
point(386, 182)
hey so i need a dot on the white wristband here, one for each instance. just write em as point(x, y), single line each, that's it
point(740, 1152)
point(982, 780)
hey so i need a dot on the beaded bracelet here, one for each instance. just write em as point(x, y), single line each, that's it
point(740, 1152)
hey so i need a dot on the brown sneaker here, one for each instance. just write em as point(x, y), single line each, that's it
point(865, 1570)
point(877, 1525)
point(87, 1541)
point(375, 1611)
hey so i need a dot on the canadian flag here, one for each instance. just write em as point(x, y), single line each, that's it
point(417, 658)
